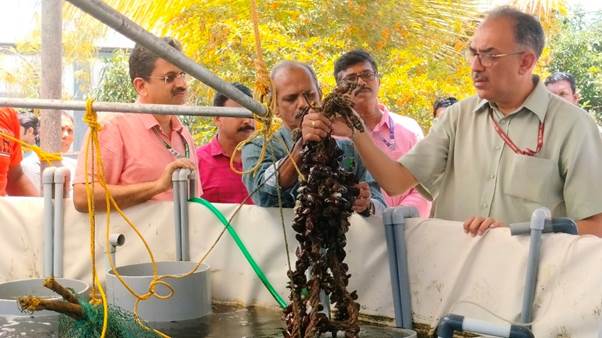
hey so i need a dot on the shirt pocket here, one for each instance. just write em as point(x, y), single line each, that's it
point(534, 179)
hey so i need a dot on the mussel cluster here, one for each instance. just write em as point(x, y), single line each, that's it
point(324, 204)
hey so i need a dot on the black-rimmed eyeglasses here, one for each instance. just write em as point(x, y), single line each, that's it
point(366, 76)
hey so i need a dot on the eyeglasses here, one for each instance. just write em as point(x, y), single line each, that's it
point(170, 77)
point(366, 76)
point(486, 59)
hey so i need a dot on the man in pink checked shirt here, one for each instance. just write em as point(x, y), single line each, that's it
point(220, 183)
point(388, 130)
point(141, 151)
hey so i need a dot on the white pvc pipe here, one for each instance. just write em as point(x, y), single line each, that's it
point(60, 177)
point(48, 221)
point(115, 240)
point(483, 327)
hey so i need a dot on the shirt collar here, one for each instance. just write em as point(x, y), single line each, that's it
point(384, 119)
point(149, 122)
point(537, 102)
point(215, 149)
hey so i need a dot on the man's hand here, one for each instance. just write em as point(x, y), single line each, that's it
point(363, 201)
point(480, 225)
point(315, 127)
point(164, 182)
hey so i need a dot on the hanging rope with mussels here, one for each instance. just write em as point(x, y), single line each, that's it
point(324, 205)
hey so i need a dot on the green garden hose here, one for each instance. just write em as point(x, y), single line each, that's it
point(243, 249)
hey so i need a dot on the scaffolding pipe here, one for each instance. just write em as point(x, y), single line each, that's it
point(157, 109)
point(130, 29)
point(51, 57)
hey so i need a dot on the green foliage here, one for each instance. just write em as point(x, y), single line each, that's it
point(115, 84)
point(201, 128)
point(577, 49)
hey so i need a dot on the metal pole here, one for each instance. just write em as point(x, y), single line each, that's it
point(158, 109)
point(51, 61)
point(130, 29)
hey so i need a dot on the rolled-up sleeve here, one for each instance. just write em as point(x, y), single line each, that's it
point(428, 159)
point(262, 181)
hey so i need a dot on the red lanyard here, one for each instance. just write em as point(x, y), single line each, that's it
point(509, 143)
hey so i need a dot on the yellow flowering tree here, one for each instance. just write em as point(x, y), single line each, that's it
point(416, 43)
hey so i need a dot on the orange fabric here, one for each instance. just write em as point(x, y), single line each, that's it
point(10, 151)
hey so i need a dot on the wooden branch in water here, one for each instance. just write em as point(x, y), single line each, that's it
point(70, 306)
point(33, 303)
point(53, 285)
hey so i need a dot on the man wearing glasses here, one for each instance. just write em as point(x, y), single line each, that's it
point(495, 157)
point(387, 130)
point(141, 151)
point(275, 180)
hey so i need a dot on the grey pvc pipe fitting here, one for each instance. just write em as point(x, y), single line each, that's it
point(538, 220)
point(175, 176)
point(183, 178)
point(115, 240)
point(394, 221)
point(555, 225)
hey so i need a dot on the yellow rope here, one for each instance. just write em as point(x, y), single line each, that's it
point(267, 125)
point(43, 155)
point(90, 119)
point(92, 143)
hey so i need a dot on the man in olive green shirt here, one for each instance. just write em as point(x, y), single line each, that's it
point(496, 157)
